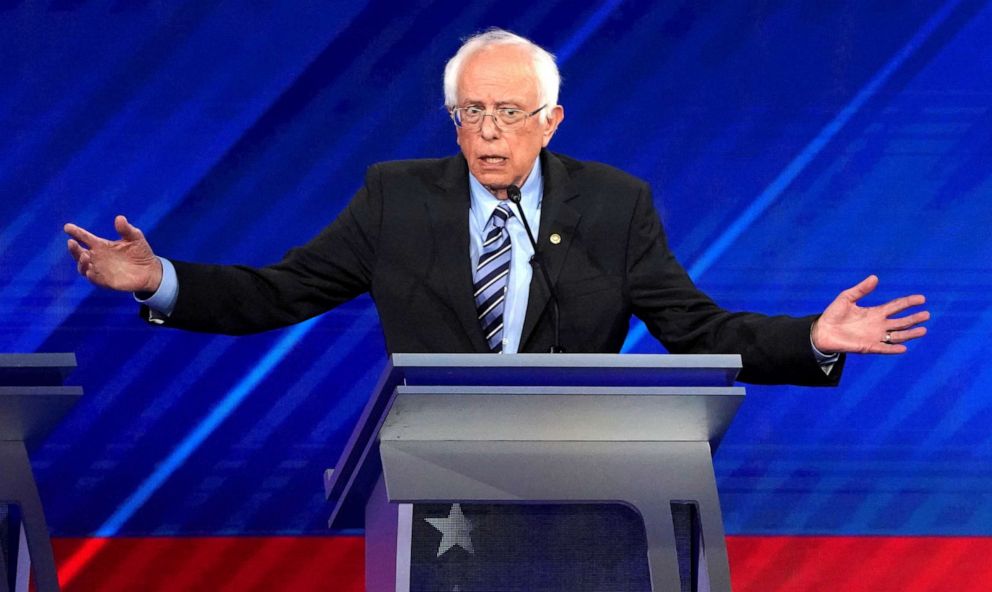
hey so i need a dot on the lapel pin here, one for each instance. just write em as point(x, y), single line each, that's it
point(555, 238)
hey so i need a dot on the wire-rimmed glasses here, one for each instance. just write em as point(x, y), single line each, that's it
point(505, 118)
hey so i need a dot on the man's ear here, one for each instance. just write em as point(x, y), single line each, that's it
point(555, 117)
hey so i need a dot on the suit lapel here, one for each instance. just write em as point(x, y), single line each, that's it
point(449, 220)
point(559, 218)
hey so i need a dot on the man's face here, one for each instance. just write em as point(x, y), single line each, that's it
point(502, 76)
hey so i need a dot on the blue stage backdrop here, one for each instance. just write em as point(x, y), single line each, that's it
point(793, 147)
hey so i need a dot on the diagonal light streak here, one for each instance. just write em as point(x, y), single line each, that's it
point(203, 429)
point(809, 152)
point(588, 28)
point(76, 562)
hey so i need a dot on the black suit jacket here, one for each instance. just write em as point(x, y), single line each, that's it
point(404, 238)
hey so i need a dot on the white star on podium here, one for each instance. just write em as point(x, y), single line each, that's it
point(455, 530)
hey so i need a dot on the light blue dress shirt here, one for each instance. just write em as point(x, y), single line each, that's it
point(518, 289)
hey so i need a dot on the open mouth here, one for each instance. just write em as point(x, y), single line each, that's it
point(493, 159)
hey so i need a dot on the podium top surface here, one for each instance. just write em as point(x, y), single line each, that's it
point(32, 397)
point(35, 369)
point(356, 471)
point(567, 369)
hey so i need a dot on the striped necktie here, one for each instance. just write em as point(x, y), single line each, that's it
point(492, 276)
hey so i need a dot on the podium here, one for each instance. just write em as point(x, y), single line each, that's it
point(32, 401)
point(638, 430)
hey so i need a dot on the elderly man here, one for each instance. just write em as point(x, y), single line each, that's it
point(447, 258)
point(422, 237)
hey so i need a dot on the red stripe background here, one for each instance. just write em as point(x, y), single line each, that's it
point(301, 564)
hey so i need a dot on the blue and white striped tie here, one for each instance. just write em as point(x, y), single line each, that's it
point(492, 276)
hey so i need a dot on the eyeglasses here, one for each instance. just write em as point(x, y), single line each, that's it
point(505, 118)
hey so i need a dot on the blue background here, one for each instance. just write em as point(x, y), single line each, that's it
point(794, 148)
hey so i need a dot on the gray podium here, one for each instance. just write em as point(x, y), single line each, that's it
point(32, 401)
point(529, 428)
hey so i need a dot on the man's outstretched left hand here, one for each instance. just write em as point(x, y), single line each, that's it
point(846, 327)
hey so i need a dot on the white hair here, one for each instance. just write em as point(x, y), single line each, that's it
point(543, 62)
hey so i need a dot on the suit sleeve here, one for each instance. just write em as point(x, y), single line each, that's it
point(773, 349)
point(329, 270)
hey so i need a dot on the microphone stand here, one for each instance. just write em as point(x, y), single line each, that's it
point(513, 193)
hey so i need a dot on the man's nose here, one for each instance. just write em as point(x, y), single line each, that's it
point(488, 127)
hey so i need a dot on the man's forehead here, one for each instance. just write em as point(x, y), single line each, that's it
point(503, 74)
point(503, 100)
point(500, 59)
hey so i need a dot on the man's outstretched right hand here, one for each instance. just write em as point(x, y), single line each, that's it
point(127, 264)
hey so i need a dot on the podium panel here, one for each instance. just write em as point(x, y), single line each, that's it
point(541, 429)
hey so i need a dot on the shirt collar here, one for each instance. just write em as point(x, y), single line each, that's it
point(483, 202)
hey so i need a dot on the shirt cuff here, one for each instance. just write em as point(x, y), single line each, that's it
point(163, 300)
point(826, 361)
